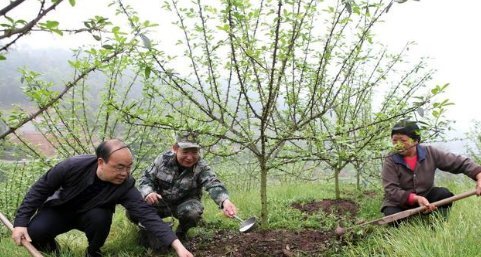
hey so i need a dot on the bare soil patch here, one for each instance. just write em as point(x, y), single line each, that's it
point(340, 207)
point(264, 243)
point(278, 243)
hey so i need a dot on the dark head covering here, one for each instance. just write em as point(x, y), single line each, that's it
point(408, 128)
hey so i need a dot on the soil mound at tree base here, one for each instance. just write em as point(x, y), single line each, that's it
point(264, 243)
point(278, 243)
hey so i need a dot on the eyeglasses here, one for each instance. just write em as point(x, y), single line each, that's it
point(121, 168)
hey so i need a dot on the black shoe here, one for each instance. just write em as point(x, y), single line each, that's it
point(50, 247)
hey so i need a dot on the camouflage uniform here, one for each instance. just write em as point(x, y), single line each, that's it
point(181, 190)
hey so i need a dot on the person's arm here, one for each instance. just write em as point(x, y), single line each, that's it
point(148, 183)
point(147, 215)
point(36, 196)
point(392, 185)
point(39, 192)
point(455, 163)
point(180, 249)
point(216, 189)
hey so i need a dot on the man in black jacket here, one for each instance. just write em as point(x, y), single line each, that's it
point(81, 193)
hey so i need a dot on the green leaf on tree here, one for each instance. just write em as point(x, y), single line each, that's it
point(147, 71)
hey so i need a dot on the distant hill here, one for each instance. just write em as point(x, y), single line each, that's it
point(53, 66)
point(52, 63)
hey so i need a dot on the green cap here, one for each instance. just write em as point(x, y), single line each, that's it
point(187, 140)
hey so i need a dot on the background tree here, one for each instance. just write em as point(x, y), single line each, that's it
point(474, 136)
point(12, 29)
point(284, 73)
point(258, 79)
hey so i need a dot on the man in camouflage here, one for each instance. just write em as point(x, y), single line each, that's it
point(174, 182)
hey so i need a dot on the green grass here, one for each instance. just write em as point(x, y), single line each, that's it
point(456, 237)
point(122, 237)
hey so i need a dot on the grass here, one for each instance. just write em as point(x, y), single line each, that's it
point(455, 237)
point(123, 234)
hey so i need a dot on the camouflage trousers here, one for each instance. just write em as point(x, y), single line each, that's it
point(188, 213)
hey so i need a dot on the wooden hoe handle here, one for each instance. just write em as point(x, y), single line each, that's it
point(407, 213)
point(30, 248)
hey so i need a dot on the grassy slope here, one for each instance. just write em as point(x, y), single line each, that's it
point(455, 237)
point(458, 236)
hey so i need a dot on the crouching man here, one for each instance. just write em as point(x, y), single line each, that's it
point(81, 193)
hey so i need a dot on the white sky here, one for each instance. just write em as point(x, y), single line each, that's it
point(448, 32)
point(444, 30)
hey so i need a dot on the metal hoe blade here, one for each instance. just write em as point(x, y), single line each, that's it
point(246, 225)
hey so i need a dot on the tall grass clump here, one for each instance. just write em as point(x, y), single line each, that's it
point(458, 235)
point(17, 178)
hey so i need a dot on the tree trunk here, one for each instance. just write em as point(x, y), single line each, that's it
point(358, 180)
point(264, 210)
point(336, 183)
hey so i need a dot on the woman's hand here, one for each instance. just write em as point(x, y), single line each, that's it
point(422, 201)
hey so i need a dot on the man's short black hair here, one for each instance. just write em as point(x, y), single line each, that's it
point(108, 147)
point(408, 128)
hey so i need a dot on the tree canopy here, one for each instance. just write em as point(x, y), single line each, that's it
point(281, 82)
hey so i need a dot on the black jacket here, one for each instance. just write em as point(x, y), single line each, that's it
point(70, 177)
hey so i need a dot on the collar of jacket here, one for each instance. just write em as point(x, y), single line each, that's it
point(420, 150)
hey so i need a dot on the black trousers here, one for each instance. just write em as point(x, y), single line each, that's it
point(436, 194)
point(51, 222)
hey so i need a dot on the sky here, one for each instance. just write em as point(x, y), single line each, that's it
point(447, 31)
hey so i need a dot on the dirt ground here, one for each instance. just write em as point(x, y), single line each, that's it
point(278, 243)
point(344, 208)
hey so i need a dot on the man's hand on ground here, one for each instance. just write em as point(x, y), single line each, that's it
point(180, 249)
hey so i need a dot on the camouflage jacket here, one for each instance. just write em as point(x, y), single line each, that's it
point(166, 178)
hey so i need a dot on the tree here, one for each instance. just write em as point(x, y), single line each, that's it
point(72, 117)
point(13, 29)
point(259, 78)
point(474, 150)
point(283, 74)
